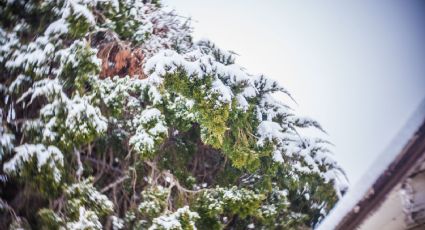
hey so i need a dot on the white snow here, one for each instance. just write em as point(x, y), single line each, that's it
point(277, 156)
point(172, 221)
point(82, 114)
point(149, 115)
point(45, 87)
point(242, 102)
point(204, 60)
point(86, 220)
point(269, 131)
point(146, 134)
point(18, 81)
point(6, 138)
point(45, 156)
point(117, 223)
point(59, 27)
point(79, 9)
point(224, 92)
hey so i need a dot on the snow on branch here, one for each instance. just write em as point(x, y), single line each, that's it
point(50, 156)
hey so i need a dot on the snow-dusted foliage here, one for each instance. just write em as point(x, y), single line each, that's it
point(181, 219)
point(113, 117)
point(6, 138)
point(50, 157)
point(229, 84)
point(84, 194)
point(86, 220)
point(150, 128)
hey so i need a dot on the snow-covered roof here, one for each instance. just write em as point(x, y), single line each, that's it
point(378, 174)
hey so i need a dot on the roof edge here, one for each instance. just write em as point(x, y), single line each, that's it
point(390, 167)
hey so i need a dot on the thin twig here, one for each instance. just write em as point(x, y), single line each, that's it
point(115, 183)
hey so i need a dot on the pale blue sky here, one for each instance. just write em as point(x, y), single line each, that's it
point(358, 67)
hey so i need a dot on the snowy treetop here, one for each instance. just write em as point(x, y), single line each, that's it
point(112, 115)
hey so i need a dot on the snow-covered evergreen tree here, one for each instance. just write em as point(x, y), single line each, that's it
point(112, 117)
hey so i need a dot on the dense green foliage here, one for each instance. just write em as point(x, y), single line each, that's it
point(180, 137)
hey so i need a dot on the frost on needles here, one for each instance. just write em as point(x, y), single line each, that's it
point(113, 117)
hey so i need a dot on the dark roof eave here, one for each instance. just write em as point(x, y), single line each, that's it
point(404, 165)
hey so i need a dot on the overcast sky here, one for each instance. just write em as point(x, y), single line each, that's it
point(358, 67)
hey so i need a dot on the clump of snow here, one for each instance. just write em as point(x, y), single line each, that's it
point(50, 156)
point(183, 107)
point(201, 62)
point(81, 115)
point(20, 79)
point(86, 220)
point(6, 138)
point(117, 223)
point(79, 8)
point(86, 194)
point(45, 87)
point(269, 131)
point(174, 220)
point(164, 27)
point(150, 128)
point(114, 91)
